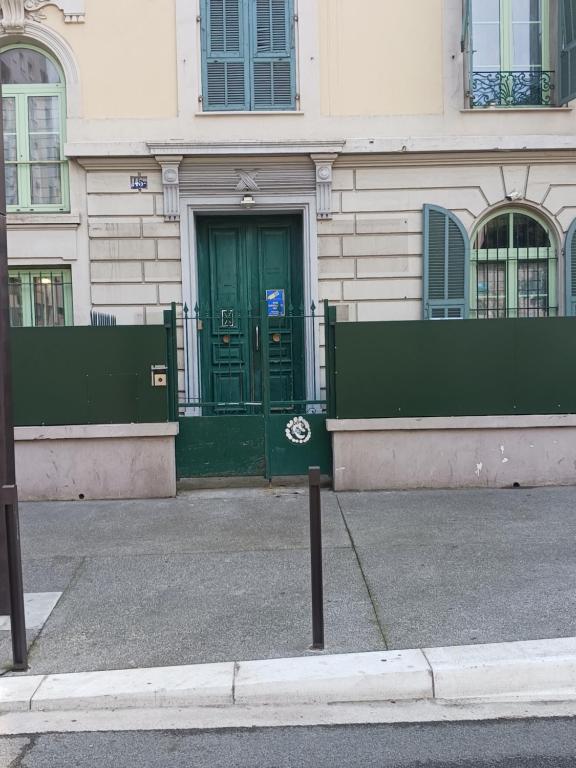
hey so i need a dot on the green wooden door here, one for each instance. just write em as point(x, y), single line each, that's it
point(240, 259)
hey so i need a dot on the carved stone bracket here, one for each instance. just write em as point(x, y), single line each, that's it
point(15, 13)
point(324, 165)
point(170, 165)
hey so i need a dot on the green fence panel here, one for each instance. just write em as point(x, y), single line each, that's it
point(220, 446)
point(455, 368)
point(288, 458)
point(88, 375)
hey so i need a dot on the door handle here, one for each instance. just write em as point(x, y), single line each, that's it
point(257, 337)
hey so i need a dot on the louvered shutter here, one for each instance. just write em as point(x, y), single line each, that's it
point(225, 55)
point(273, 61)
point(466, 25)
point(570, 278)
point(567, 59)
point(446, 265)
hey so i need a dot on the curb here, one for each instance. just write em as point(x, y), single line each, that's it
point(538, 670)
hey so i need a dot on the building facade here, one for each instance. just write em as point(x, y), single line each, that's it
point(402, 160)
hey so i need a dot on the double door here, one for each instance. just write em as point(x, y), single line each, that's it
point(250, 315)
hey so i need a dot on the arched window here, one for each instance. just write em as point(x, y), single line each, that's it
point(513, 268)
point(34, 109)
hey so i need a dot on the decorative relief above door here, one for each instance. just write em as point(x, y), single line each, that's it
point(15, 13)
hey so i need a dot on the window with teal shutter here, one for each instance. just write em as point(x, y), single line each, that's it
point(446, 265)
point(273, 66)
point(224, 49)
point(567, 58)
point(570, 279)
point(248, 57)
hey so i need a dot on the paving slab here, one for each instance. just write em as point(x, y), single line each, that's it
point(156, 610)
point(37, 608)
point(464, 567)
point(41, 575)
point(201, 521)
point(217, 575)
point(10, 749)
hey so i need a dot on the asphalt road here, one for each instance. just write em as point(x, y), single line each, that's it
point(500, 744)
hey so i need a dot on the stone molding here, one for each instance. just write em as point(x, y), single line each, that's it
point(16, 13)
point(324, 164)
point(452, 422)
point(60, 48)
point(170, 165)
point(96, 431)
point(245, 147)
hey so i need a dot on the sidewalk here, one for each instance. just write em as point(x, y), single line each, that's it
point(218, 575)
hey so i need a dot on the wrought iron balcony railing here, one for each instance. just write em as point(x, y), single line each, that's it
point(511, 89)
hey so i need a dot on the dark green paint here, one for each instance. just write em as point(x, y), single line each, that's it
point(86, 375)
point(460, 368)
point(252, 367)
point(329, 348)
point(220, 446)
point(239, 258)
point(287, 458)
point(172, 361)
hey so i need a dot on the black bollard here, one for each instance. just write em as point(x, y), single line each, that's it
point(316, 559)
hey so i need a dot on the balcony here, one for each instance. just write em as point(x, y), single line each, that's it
point(530, 88)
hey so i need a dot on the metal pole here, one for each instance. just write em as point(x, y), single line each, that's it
point(316, 559)
point(10, 529)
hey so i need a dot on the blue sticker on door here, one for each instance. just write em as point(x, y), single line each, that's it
point(276, 302)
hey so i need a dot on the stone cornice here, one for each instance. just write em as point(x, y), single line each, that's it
point(473, 143)
point(246, 147)
point(354, 153)
point(116, 162)
point(444, 158)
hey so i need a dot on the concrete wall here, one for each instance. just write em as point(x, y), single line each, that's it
point(122, 461)
point(464, 452)
point(126, 56)
point(381, 58)
point(371, 71)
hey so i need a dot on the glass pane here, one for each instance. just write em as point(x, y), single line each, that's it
point(526, 34)
point(45, 184)
point(22, 66)
point(527, 46)
point(9, 122)
point(48, 299)
point(11, 185)
point(528, 233)
point(9, 147)
point(533, 289)
point(486, 10)
point(486, 46)
point(491, 290)
point(9, 114)
point(44, 114)
point(15, 301)
point(494, 234)
point(526, 10)
point(45, 146)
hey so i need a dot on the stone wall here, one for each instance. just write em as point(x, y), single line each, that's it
point(135, 265)
point(370, 253)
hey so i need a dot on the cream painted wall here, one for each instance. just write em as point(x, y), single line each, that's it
point(126, 51)
point(381, 57)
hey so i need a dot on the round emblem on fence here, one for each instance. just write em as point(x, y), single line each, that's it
point(298, 430)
